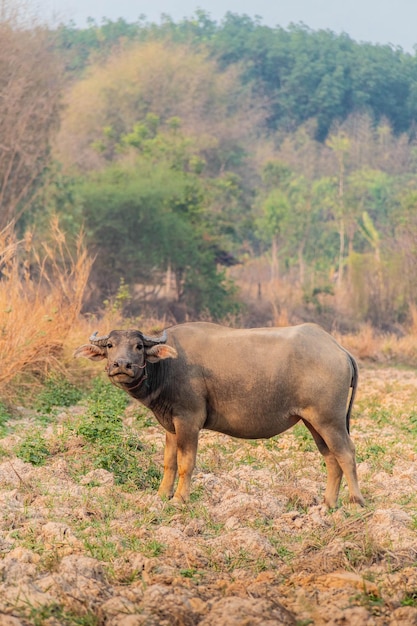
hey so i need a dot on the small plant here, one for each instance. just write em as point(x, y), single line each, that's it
point(33, 449)
point(4, 418)
point(193, 574)
point(373, 452)
point(114, 448)
point(102, 421)
point(122, 297)
point(304, 438)
point(40, 615)
point(410, 599)
point(57, 391)
point(101, 548)
point(153, 548)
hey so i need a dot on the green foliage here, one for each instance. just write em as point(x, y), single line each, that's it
point(5, 416)
point(113, 447)
point(118, 302)
point(33, 449)
point(103, 418)
point(176, 170)
point(303, 73)
point(39, 615)
point(409, 599)
point(145, 219)
point(57, 391)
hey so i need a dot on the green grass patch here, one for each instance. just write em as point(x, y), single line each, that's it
point(55, 613)
point(5, 416)
point(33, 449)
point(57, 391)
point(114, 447)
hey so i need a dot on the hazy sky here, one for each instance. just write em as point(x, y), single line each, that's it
point(377, 21)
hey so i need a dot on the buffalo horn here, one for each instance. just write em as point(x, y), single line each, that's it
point(99, 341)
point(150, 341)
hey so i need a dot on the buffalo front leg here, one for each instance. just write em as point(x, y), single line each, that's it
point(187, 442)
point(166, 488)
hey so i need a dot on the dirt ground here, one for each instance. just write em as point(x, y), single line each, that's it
point(254, 547)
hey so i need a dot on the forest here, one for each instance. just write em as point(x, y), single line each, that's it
point(216, 170)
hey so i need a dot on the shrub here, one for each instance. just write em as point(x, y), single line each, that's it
point(114, 447)
point(57, 391)
point(38, 306)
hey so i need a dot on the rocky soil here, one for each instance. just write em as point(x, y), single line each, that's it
point(254, 547)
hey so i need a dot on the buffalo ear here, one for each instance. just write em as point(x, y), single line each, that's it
point(95, 353)
point(159, 352)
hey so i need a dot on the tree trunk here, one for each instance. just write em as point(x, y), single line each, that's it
point(274, 260)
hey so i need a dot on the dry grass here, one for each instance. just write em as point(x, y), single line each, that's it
point(41, 294)
point(371, 346)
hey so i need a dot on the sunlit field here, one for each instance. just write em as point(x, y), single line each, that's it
point(85, 538)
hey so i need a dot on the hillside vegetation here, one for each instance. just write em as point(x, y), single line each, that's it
point(225, 170)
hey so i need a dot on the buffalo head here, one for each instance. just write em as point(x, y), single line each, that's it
point(127, 353)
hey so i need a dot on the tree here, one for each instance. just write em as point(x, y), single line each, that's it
point(30, 92)
point(165, 80)
point(143, 220)
point(285, 218)
point(340, 145)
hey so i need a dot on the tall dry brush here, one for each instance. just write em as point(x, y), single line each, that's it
point(41, 295)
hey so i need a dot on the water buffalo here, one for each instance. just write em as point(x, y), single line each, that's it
point(251, 384)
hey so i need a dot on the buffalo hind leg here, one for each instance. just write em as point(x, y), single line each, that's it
point(166, 489)
point(341, 447)
point(334, 471)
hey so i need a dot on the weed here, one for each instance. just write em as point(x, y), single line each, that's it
point(370, 601)
point(303, 438)
point(40, 615)
point(192, 574)
point(57, 391)
point(5, 416)
point(152, 548)
point(283, 552)
point(413, 421)
point(372, 451)
point(380, 415)
point(101, 548)
point(144, 418)
point(244, 559)
point(410, 599)
point(33, 449)
point(106, 404)
point(249, 459)
point(29, 538)
point(197, 493)
point(114, 448)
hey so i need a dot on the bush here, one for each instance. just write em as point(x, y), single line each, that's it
point(34, 449)
point(56, 392)
point(114, 447)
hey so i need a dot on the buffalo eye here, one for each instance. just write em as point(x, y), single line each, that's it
point(109, 345)
point(139, 346)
